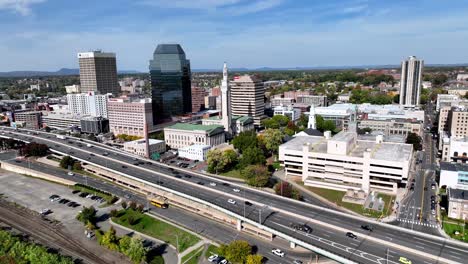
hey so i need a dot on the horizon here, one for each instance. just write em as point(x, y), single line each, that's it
point(247, 34)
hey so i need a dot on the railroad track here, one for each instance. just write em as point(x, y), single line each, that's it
point(45, 233)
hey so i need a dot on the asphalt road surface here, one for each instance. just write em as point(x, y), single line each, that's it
point(361, 250)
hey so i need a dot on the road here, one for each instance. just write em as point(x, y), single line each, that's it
point(415, 210)
point(370, 247)
point(211, 229)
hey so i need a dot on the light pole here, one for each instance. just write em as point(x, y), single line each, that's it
point(244, 203)
point(386, 256)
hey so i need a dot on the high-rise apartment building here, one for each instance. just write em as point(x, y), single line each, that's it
point(98, 72)
point(88, 103)
point(198, 99)
point(247, 98)
point(129, 116)
point(411, 79)
point(170, 82)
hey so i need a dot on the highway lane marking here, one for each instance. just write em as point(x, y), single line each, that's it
point(427, 241)
point(354, 244)
point(356, 252)
point(418, 246)
point(326, 235)
point(456, 253)
point(456, 257)
point(466, 251)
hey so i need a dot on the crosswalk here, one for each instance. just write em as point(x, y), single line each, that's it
point(417, 223)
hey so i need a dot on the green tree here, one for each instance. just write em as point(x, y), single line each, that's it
point(77, 166)
point(254, 259)
point(34, 149)
point(66, 161)
point(276, 122)
point(88, 214)
point(237, 251)
point(136, 251)
point(273, 139)
point(252, 155)
point(324, 125)
point(245, 140)
point(124, 244)
point(285, 189)
point(415, 140)
point(303, 122)
point(110, 239)
point(124, 205)
point(256, 175)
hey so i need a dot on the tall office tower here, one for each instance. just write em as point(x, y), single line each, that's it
point(247, 98)
point(411, 79)
point(226, 104)
point(198, 99)
point(98, 72)
point(170, 82)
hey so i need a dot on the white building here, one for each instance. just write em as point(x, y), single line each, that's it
point(61, 120)
point(88, 104)
point(293, 113)
point(458, 203)
point(411, 81)
point(462, 77)
point(393, 126)
point(343, 162)
point(182, 134)
point(278, 101)
point(194, 152)
point(454, 175)
point(138, 147)
point(455, 149)
point(446, 100)
point(344, 98)
point(73, 88)
point(239, 124)
point(340, 114)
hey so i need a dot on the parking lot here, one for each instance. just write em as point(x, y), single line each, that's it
point(34, 194)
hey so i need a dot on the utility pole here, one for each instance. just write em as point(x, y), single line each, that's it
point(386, 256)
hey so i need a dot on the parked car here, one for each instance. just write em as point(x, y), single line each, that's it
point(212, 258)
point(231, 201)
point(236, 190)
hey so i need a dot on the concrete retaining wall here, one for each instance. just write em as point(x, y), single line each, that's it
point(21, 170)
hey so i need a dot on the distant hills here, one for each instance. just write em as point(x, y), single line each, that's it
point(66, 71)
point(61, 72)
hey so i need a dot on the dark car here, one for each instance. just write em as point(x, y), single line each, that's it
point(367, 227)
point(201, 183)
point(351, 235)
point(307, 229)
point(248, 203)
point(75, 191)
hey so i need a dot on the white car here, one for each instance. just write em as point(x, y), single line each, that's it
point(71, 173)
point(45, 211)
point(212, 184)
point(231, 201)
point(277, 252)
point(212, 258)
point(224, 261)
point(236, 190)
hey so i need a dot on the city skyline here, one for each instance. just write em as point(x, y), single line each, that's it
point(251, 34)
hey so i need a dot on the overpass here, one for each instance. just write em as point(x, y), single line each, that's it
point(268, 212)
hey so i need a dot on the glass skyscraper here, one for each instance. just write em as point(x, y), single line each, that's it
point(170, 82)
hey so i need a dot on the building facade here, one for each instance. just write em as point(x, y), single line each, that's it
point(247, 98)
point(88, 103)
point(194, 152)
point(279, 101)
point(455, 149)
point(138, 147)
point(393, 126)
point(30, 119)
point(98, 72)
point(292, 113)
point(130, 117)
point(198, 99)
point(94, 125)
point(182, 135)
point(73, 89)
point(343, 162)
point(457, 203)
point(454, 175)
point(315, 100)
point(411, 79)
point(61, 120)
point(170, 82)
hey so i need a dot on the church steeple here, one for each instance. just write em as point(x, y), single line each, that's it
point(226, 101)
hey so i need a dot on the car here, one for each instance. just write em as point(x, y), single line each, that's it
point(127, 196)
point(236, 190)
point(124, 167)
point(405, 260)
point(231, 201)
point(83, 194)
point(89, 196)
point(212, 258)
point(433, 186)
point(135, 159)
point(45, 211)
point(105, 154)
point(248, 203)
point(178, 176)
point(70, 173)
point(307, 229)
point(277, 252)
point(425, 188)
point(188, 176)
point(53, 196)
point(367, 227)
point(212, 184)
point(351, 235)
point(296, 261)
point(200, 183)
point(91, 154)
point(224, 261)
point(75, 191)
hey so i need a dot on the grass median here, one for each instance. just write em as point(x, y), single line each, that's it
point(337, 196)
point(156, 228)
point(193, 257)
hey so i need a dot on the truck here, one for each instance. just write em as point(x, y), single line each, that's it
point(61, 137)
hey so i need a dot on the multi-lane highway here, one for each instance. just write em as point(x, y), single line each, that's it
point(385, 243)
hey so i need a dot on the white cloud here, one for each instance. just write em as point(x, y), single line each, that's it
point(227, 7)
point(22, 7)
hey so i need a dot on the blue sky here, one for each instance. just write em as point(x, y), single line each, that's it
point(47, 34)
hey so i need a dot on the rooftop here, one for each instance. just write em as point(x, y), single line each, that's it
point(453, 166)
point(459, 194)
point(384, 151)
point(195, 147)
point(143, 141)
point(210, 129)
